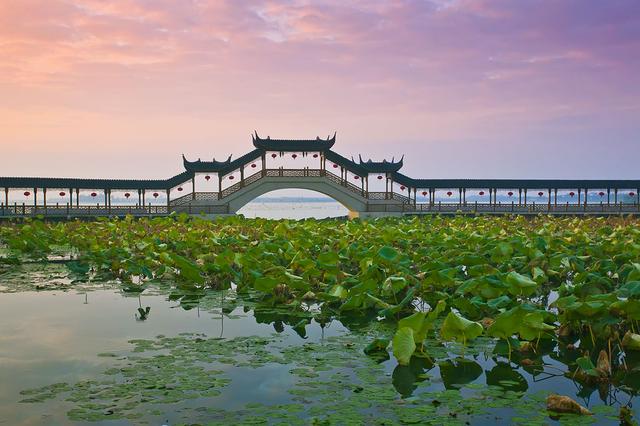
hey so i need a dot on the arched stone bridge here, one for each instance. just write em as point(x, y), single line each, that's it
point(365, 188)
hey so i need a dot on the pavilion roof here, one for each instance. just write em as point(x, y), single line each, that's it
point(304, 145)
point(222, 167)
point(383, 166)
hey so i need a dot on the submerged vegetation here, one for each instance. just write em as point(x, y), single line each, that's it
point(430, 292)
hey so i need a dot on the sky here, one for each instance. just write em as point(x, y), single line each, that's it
point(463, 88)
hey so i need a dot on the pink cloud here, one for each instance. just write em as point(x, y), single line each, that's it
point(488, 72)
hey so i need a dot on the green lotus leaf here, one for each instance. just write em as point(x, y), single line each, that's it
point(460, 329)
point(631, 341)
point(265, 284)
point(520, 285)
point(188, 270)
point(403, 345)
point(388, 253)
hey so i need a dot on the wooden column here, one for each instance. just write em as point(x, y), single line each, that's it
point(555, 196)
point(106, 198)
point(144, 200)
point(525, 197)
point(193, 187)
point(549, 204)
point(579, 191)
point(44, 198)
point(77, 197)
point(70, 197)
point(459, 196)
point(519, 196)
point(586, 196)
point(168, 199)
point(386, 186)
point(615, 196)
point(6, 196)
point(219, 185)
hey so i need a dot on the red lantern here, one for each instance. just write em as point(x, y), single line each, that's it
point(315, 155)
point(601, 194)
point(631, 194)
point(379, 177)
point(481, 193)
point(180, 189)
point(93, 194)
point(449, 193)
point(424, 193)
point(253, 166)
point(231, 177)
point(294, 156)
point(571, 194)
point(356, 177)
point(127, 195)
point(510, 193)
point(27, 193)
point(402, 187)
point(540, 194)
point(274, 155)
point(207, 177)
point(155, 195)
point(335, 166)
point(62, 194)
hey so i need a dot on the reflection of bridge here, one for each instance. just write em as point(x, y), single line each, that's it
point(366, 188)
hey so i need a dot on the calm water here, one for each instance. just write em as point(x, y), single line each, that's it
point(54, 335)
point(293, 210)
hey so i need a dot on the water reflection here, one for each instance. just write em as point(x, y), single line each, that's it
point(40, 346)
point(459, 371)
point(506, 377)
point(405, 378)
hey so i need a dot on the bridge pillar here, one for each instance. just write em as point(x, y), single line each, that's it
point(586, 196)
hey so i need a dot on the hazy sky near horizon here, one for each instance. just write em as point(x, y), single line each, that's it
point(464, 88)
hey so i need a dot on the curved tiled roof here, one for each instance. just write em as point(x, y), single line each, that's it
point(316, 144)
point(383, 166)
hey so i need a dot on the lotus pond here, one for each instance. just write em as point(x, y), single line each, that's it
point(457, 320)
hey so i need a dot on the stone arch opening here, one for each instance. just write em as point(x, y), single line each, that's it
point(293, 204)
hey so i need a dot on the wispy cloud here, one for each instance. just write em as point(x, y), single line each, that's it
point(477, 74)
